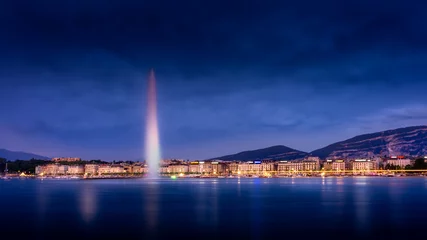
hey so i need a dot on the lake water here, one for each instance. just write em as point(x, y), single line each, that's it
point(286, 208)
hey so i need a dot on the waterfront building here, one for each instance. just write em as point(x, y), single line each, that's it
point(287, 166)
point(249, 167)
point(327, 165)
point(304, 165)
point(62, 169)
point(51, 169)
point(104, 169)
point(55, 169)
point(362, 165)
point(205, 167)
point(76, 170)
point(313, 161)
point(163, 169)
point(253, 167)
point(110, 169)
point(115, 169)
point(242, 167)
point(218, 167)
point(267, 166)
point(339, 165)
point(137, 169)
point(334, 165)
point(91, 169)
point(311, 164)
point(399, 161)
point(194, 167)
point(200, 167)
point(127, 168)
point(178, 168)
point(232, 167)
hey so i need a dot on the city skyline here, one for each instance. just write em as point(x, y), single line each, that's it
point(234, 78)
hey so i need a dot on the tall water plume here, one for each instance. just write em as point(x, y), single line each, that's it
point(152, 144)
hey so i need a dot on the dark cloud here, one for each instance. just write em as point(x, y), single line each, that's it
point(194, 38)
point(274, 72)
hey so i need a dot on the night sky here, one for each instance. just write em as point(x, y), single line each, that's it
point(231, 75)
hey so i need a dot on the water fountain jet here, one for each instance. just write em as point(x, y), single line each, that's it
point(152, 144)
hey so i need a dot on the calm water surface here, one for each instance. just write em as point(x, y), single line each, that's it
point(288, 208)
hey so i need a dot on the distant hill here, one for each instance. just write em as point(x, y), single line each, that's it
point(11, 155)
point(273, 153)
point(408, 141)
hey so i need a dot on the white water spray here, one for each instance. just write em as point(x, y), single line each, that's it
point(152, 144)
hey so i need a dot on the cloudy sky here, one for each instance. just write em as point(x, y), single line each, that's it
point(231, 75)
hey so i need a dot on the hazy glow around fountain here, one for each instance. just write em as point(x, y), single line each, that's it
point(152, 144)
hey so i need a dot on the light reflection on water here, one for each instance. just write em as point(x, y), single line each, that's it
point(201, 203)
point(42, 201)
point(340, 181)
point(361, 204)
point(395, 198)
point(151, 204)
point(88, 202)
point(239, 193)
point(215, 208)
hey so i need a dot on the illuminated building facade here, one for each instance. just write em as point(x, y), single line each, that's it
point(362, 165)
point(91, 169)
point(179, 168)
point(304, 165)
point(76, 170)
point(400, 161)
point(339, 165)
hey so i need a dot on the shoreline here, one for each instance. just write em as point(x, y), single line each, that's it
point(173, 177)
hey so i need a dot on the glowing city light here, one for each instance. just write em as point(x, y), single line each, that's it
point(152, 145)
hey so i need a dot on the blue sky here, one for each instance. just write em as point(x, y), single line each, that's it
point(230, 76)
